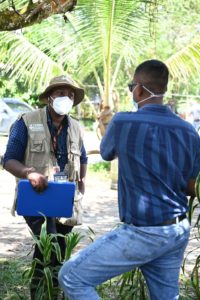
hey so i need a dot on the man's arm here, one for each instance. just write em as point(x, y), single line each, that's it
point(107, 146)
point(83, 169)
point(37, 180)
point(17, 169)
point(13, 158)
point(81, 182)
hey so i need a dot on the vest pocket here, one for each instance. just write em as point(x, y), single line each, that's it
point(39, 155)
point(74, 149)
point(37, 146)
point(74, 162)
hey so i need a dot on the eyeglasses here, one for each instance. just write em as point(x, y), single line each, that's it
point(131, 86)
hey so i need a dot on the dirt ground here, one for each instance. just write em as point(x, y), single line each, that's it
point(100, 213)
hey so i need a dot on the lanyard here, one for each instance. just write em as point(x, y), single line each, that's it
point(54, 137)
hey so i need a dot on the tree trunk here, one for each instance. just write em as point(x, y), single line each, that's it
point(32, 13)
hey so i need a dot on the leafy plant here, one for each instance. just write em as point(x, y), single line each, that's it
point(195, 276)
point(195, 273)
point(101, 166)
point(48, 246)
point(133, 286)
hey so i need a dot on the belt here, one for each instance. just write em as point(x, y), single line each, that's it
point(168, 222)
point(173, 221)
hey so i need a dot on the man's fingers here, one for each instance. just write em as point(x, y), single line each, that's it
point(38, 182)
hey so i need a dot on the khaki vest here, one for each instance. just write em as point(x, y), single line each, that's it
point(39, 151)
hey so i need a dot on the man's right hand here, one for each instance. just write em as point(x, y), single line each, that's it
point(38, 181)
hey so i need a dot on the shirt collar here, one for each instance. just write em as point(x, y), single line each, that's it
point(155, 107)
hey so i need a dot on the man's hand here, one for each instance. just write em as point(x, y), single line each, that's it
point(81, 186)
point(38, 181)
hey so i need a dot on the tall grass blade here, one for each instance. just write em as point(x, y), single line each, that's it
point(49, 281)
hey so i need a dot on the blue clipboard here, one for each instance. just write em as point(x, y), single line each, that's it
point(56, 201)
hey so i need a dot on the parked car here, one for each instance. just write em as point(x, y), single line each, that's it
point(10, 108)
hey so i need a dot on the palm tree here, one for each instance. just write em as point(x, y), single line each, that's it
point(101, 40)
point(98, 38)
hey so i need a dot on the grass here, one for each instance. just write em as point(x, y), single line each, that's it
point(12, 285)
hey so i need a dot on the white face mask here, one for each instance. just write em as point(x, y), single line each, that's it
point(135, 104)
point(62, 105)
point(152, 96)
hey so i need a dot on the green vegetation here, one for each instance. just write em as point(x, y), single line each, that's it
point(13, 286)
point(99, 44)
point(129, 286)
point(100, 167)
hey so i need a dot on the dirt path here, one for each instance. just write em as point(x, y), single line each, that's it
point(100, 213)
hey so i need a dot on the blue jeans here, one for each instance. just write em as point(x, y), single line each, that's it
point(158, 251)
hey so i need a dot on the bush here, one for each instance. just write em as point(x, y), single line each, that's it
point(100, 167)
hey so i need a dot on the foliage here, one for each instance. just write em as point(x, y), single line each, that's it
point(195, 276)
point(12, 286)
point(88, 124)
point(194, 206)
point(48, 246)
point(99, 42)
point(17, 89)
point(15, 288)
point(103, 166)
point(133, 286)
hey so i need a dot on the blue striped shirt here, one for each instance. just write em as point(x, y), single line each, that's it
point(18, 139)
point(158, 153)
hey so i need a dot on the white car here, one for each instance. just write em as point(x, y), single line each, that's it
point(10, 108)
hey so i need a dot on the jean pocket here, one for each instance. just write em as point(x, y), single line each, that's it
point(142, 246)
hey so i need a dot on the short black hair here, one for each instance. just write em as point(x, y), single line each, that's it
point(153, 74)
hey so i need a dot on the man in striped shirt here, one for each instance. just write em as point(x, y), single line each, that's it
point(159, 159)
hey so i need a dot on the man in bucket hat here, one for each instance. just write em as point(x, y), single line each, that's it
point(42, 142)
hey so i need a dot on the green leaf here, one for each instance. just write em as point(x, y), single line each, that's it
point(197, 187)
point(72, 239)
point(49, 281)
point(57, 251)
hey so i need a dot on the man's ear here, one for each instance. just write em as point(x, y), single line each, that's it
point(140, 91)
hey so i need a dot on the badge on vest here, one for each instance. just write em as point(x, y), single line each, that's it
point(36, 127)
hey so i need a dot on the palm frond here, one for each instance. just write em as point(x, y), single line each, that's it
point(186, 62)
point(22, 57)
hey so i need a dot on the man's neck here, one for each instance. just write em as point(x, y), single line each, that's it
point(152, 101)
point(56, 119)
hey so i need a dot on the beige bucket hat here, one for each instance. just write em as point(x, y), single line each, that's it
point(63, 81)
